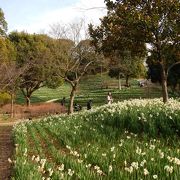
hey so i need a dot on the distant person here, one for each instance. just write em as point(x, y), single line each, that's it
point(63, 101)
point(141, 84)
point(109, 98)
point(77, 107)
point(89, 104)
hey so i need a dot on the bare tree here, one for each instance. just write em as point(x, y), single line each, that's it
point(9, 80)
point(76, 31)
point(58, 30)
point(73, 56)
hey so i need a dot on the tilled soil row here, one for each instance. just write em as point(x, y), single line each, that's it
point(6, 150)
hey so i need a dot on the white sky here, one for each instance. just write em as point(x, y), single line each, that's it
point(35, 16)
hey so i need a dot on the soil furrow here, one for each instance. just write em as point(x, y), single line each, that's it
point(6, 150)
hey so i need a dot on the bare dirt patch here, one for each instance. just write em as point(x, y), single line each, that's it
point(6, 151)
point(33, 111)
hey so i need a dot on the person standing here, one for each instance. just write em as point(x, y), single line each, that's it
point(63, 101)
point(109, 98)
point(89, 104)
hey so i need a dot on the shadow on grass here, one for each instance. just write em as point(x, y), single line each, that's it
point(34, 99)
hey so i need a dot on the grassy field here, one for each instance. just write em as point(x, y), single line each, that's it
point(95, 88)
point(129, 140)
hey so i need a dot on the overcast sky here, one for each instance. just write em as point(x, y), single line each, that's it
point(35, 16)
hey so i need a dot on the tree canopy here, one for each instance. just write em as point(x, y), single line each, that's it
point(3, 23)
point(73, 54)
point(127, 66)
point(34, 50)
point(72, 62)
point(132, 24)
point(7, 60)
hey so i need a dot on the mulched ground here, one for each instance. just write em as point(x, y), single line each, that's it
point(33, 111)
point(6, 150)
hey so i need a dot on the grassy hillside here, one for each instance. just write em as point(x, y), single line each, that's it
point(96, 88)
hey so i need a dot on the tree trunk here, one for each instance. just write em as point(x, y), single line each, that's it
point(101, 71)
point(72, 95)
point(27, 96)
point(164, 73)
point(12, 105)
point(119, 82)
point(28, 102)
point(164, 85)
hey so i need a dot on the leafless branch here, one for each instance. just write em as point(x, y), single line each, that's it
point(172, 66)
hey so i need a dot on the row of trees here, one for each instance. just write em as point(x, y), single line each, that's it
point(120, 44)
point(31, 61)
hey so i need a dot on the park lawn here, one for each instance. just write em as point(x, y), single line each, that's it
point(45, 94)
point(94, 87)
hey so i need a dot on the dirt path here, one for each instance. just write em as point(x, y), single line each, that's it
point(6, 150)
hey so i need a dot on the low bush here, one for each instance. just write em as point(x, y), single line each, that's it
point(4, 98)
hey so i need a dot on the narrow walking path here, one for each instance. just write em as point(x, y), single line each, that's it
point(52, 100)
point(6, 150)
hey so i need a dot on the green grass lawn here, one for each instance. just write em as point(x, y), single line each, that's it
point(96, 88)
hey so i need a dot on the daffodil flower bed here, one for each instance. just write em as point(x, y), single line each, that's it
point(135, 139)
